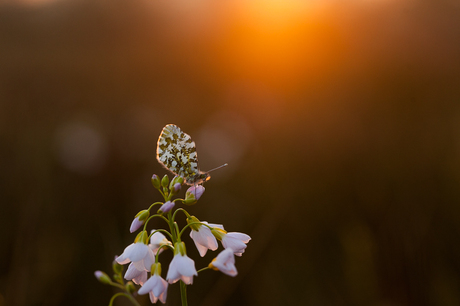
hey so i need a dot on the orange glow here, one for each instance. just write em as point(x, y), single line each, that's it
point(280, 43)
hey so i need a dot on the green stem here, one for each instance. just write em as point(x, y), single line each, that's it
point(180, 209)
point(201, 270)
point(156, 203)
point(183, 293)
point(190, 224)
point(118, 285)
point(154, 216)
point(126, 295)
point(172, 228)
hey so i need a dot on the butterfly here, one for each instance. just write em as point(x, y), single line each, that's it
point(177, 152)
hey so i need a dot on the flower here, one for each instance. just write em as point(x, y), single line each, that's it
point(156, 286)
point(225, 262)
point(233, 240)
point(166, 207)
point(202, 236)
point(142, 258)
point(158, 240)
point(137, 276)
point(181, 266)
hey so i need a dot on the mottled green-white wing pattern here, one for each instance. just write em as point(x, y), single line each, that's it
point(176, 151)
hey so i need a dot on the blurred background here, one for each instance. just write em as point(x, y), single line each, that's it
point(340, 122)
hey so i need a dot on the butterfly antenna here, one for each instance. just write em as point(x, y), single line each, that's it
point(218, 167)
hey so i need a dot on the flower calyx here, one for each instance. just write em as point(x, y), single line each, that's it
point(142, 237)
point(193, 221)
point(219, 233)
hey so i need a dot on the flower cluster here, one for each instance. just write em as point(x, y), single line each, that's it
point(143, 254)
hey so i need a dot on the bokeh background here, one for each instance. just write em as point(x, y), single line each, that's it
point(340, 122)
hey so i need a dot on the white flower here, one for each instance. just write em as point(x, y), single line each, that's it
point(157, 288)
point(203, 238)
point(157, 240)
point(142, 258)
point(181, 266)
point(137, 276)
point(225, 262)
point(236, 242)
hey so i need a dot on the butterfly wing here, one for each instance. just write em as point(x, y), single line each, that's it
point(177, 152)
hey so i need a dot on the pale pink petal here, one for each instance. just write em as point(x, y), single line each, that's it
point(132, 272)
point(225, 262)
point(141, 278)
point(153, 298)
point(187, 279)
point(186, 266)
point(240, 236)
point(201, 249)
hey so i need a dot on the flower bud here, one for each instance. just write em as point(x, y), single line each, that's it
point(139, 219)
point(116, 267)
point(102, 277)
point(176, 187)
point(118, 278)
point(156, 181)
point(173, 181)
point(130, 287)
point(193, 194)
point(165, 181)
point(166, 207)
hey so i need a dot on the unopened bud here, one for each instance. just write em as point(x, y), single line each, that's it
point(130, 287)
point(176, 188)
point(116, 267)
point(118, 278)
point(166, 207)
point(173, 181)
point(156, 181)
point(165, 181)
point(139, 219)
point(102, 277)
point(193, 194)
